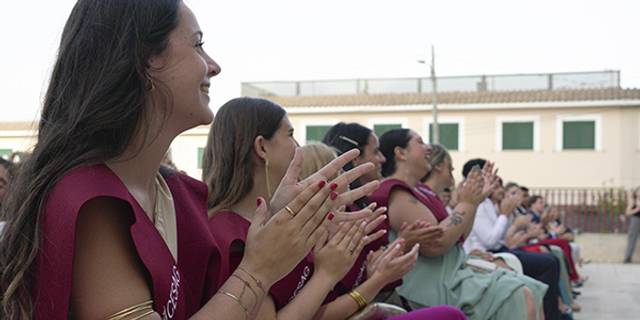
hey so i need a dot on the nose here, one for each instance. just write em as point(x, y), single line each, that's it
point(381, 157)
point(213, 68)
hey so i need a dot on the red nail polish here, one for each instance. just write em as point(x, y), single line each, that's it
point(321, 183)
point(333, 186)
point(258, 202)
point(333, 195)
point(330, 216)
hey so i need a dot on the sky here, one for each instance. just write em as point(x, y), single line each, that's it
point(263, 40)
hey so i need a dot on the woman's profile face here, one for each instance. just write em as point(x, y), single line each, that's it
point(281, 148)
point(418, 154)
point(185, 68)
point(371, 154)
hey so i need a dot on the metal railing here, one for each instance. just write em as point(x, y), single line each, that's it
point(478, 83)
point(589, 210)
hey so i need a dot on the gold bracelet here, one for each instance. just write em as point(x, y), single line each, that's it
point(359, 299)
point(147, 305)
point(258, 282)
point(236, 299)
point(246, 284)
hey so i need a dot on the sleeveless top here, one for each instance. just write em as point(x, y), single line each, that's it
point(178, 288)
point(230, 230)
point(382, 195)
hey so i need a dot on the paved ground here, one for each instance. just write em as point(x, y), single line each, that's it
point(612, 292)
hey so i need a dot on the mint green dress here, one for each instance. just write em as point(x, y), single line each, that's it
point(448, 280)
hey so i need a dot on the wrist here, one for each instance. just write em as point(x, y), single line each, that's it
point(378, 281)
point(326, 276)
point(261, 277)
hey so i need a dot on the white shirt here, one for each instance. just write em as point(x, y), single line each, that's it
point(489, 228)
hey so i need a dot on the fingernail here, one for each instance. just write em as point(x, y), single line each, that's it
point(321, 183)
point(258, 202)
point(333, 186)
point(333, 195)
point(330, 216)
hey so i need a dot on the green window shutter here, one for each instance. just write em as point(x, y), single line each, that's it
point(316, 133)
point(200, 156)
point(5, 153)
point(579, 135)
point(380, 129)
point(517, 136)
point(448, 135)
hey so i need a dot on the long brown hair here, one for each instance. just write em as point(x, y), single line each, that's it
point(93, 107)
point(228, 160)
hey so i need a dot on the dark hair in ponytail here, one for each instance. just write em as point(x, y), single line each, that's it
point(388, 142)
point(344, 137)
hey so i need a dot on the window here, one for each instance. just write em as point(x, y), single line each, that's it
point(449, 135)
point(5, 153)
point(517, 136)
point(380, 129)
point(579, 135)
point(315, 133)
point(200, 156)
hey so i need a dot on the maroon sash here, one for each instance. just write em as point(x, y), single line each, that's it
point(382, 195)
point(426, 196)
point(178, 289)
point(435, 203)
point(230, 230)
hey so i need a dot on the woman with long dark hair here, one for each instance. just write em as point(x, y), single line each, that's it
point(94, 227)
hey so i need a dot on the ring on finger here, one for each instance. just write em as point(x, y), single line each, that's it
point(293, 214)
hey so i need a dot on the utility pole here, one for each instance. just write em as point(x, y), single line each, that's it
point(434, 98)
point(435, 134)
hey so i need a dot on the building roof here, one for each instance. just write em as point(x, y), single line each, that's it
point(482, 97)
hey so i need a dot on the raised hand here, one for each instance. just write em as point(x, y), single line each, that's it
point(471, 189)
point(289, 186)
point(490, 178)
point(298, 228)
point(334, 256)
point(372, 215)
point(391, 264)
point(420, 232)
point(522, 221)
point(511, 201)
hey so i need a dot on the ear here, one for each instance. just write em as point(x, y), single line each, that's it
point(259, 146)
point(399, 153)
point(439, 167)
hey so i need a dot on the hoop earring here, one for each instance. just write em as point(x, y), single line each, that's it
point(149, 85)
point(267, 179)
